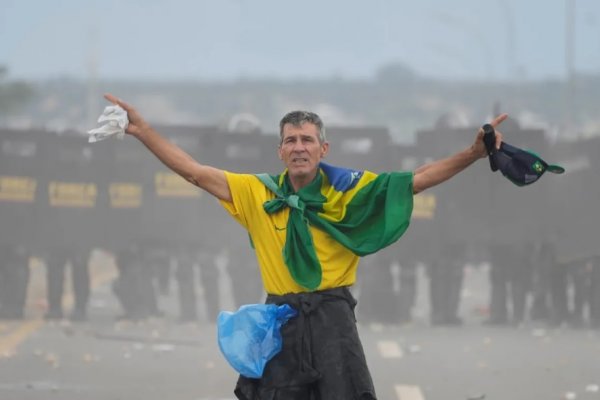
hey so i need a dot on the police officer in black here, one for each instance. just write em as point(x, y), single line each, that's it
point(243, 270)
point(14, 280)
point(77, 257)
point(543, 264)
point(134, 287)
point(186, 277)
point(510, 279)
point(446, 275)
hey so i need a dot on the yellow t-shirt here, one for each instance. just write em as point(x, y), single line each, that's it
point(268, 232)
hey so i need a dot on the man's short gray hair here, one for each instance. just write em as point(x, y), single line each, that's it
point(297, 118)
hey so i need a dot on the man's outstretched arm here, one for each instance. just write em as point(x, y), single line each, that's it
point(211, 179)
point(436, 172)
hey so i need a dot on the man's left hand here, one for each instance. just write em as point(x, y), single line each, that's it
point(479, 146)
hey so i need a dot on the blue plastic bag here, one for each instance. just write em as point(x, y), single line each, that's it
point(250, 337)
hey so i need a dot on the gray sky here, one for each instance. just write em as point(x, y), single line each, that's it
point(223, 39)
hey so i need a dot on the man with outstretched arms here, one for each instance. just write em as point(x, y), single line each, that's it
point(309, 227)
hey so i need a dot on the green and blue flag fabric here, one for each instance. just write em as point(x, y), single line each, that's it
point(361, 210)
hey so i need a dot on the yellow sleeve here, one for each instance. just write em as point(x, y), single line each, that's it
point(245, 196)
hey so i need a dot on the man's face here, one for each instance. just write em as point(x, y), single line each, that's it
point(301, 151)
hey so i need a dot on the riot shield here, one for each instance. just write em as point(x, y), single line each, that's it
point(419, 242)
point(20, 171)
point(241, 153)
point(461, 204)
point(129, 189)
point(574, 198)
point(479, 207)
point(516, 215)
point(172, 213)
point(72, 194)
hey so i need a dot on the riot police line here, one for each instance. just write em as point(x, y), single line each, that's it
point(61, 197)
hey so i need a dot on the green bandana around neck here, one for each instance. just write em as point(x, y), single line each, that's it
point(377, 214)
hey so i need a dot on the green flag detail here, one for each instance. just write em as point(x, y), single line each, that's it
point(376, 215)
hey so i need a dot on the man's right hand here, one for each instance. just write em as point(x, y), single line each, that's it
point(137, 124)
point(208, 178)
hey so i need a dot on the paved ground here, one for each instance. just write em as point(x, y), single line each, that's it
point(160, 359)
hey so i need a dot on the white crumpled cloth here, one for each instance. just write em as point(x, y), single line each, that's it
point(116, 123)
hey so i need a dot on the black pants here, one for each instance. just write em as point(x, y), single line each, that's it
point(209, 278)
point(14, 280)
point(408, 291)
point(55, 274)
point(245, 277)
point(322, 357)
point(510, 274)
point(544, 262)
point(445, 281)
point(446, 276)
point(378, 302)
point(134, 286)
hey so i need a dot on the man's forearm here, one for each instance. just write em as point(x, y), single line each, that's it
point(168, 153)
point(436, 172)
point(211, 179)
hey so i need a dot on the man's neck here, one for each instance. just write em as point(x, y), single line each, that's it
point(298, 182)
